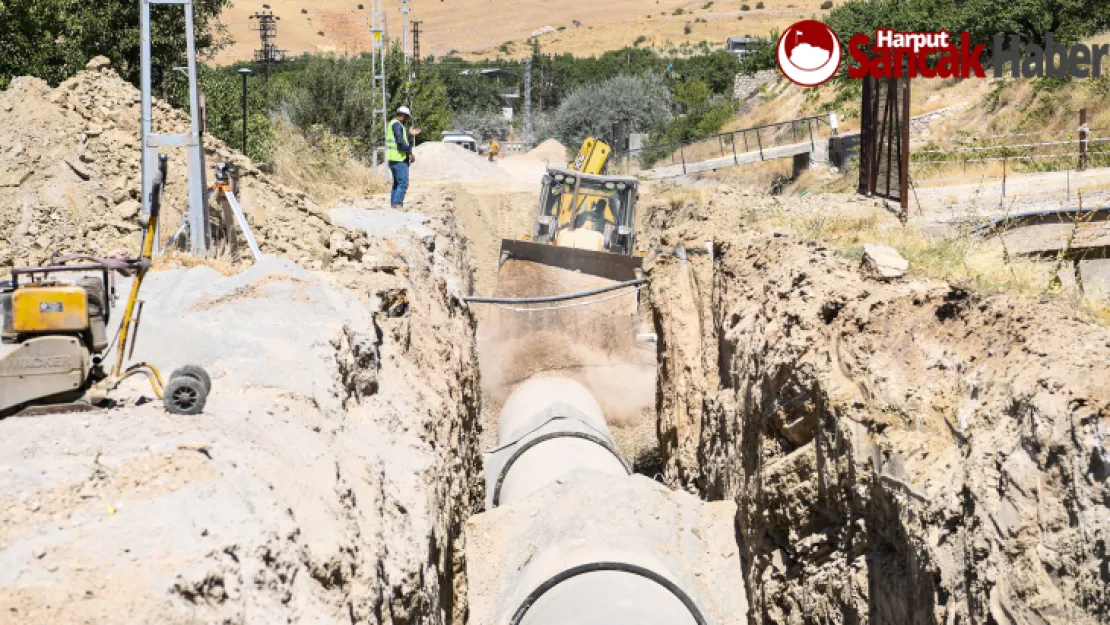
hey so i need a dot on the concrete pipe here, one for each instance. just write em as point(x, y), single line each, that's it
point(548, 428)
point(608, 593)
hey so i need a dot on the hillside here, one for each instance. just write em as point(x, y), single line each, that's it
point(480, 27)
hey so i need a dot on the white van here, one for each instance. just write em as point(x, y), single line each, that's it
point(464, 139)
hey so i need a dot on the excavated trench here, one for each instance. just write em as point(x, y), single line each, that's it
point(905, 452)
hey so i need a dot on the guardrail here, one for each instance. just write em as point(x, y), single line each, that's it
point(733, 143)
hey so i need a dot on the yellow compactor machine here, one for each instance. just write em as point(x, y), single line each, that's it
point(585, 221)
point(54, 339)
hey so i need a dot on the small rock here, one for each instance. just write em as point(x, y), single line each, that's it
point(198, 446)
point(883, 262)
point(38, 553)
point(15, 178)
point(94, 131)
point(79, 168)
point(128, 209)
point(98, 63)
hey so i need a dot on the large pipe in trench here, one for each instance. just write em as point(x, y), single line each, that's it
point(548, 428)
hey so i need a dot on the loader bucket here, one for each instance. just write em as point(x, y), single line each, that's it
point(601, 264)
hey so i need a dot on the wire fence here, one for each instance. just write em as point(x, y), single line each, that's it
point(997, 157)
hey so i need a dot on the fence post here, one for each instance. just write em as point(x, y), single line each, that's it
point(1083, 134)
point(732, 139)
point(721, 143)
point(812, 143)
point(682, 151)
point(1004, 158)
point(794, 130)
point(745, 134)
point(760, 140)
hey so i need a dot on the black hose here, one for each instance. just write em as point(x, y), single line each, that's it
point(553, 298)
point(622, 567)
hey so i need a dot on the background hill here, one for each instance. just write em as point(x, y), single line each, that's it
point(483, 27)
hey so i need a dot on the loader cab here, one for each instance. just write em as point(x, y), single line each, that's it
point(587, 211)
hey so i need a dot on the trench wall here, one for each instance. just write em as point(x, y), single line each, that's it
point(899, 453)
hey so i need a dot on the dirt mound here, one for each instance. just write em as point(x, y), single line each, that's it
point(548, 151)
point(70, 178)
point(444, 161)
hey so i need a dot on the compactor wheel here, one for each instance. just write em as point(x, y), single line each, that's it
point(185, 395)
point(197, 373)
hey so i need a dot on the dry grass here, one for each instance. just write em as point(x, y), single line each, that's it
point(174, 259)
point(323, 166)
point(964, 257)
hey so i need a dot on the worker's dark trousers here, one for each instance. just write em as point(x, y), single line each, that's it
point(400, 171)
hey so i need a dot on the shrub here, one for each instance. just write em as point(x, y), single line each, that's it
point(759, 5)
point(762, 55)
point(688, 28)
point(745, 7)
point(639, 40)
point(333, 93)
point(641, 101)
point(679, 11)
point(707, 5)
point(827, 4)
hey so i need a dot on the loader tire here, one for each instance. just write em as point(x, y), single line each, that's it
point(185, 395)
point(198, 373)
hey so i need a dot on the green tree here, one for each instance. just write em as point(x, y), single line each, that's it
point(1070, 20)
point(53, 39)
point(641, 101)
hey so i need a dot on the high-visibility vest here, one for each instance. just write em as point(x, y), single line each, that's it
point(393, 151)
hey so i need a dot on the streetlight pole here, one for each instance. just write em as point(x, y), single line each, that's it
point(244, 72)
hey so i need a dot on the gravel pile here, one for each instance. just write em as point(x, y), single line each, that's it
point(443, 161)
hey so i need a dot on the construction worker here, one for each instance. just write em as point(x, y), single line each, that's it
point(398, 144)
point(494, 149)
point(598, 217)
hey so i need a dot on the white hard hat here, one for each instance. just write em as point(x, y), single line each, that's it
point(404, 110)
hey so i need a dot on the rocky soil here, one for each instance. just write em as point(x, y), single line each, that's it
point(326, 482)
point(901, 452)
point(70, 178)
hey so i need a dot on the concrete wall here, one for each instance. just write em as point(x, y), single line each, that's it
point(747, 85)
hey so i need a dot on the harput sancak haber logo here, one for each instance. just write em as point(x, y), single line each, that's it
point(809, 53)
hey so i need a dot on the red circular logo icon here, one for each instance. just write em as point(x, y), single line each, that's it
point(809, 53)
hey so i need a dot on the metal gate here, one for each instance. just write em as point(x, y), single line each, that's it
point(885, 139)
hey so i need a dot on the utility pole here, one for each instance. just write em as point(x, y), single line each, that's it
point(416, 47)
point(269, 53)
point(244, 72)
point(528, 104)
point(405, 33)
point(192, 142)
point(377, 69)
